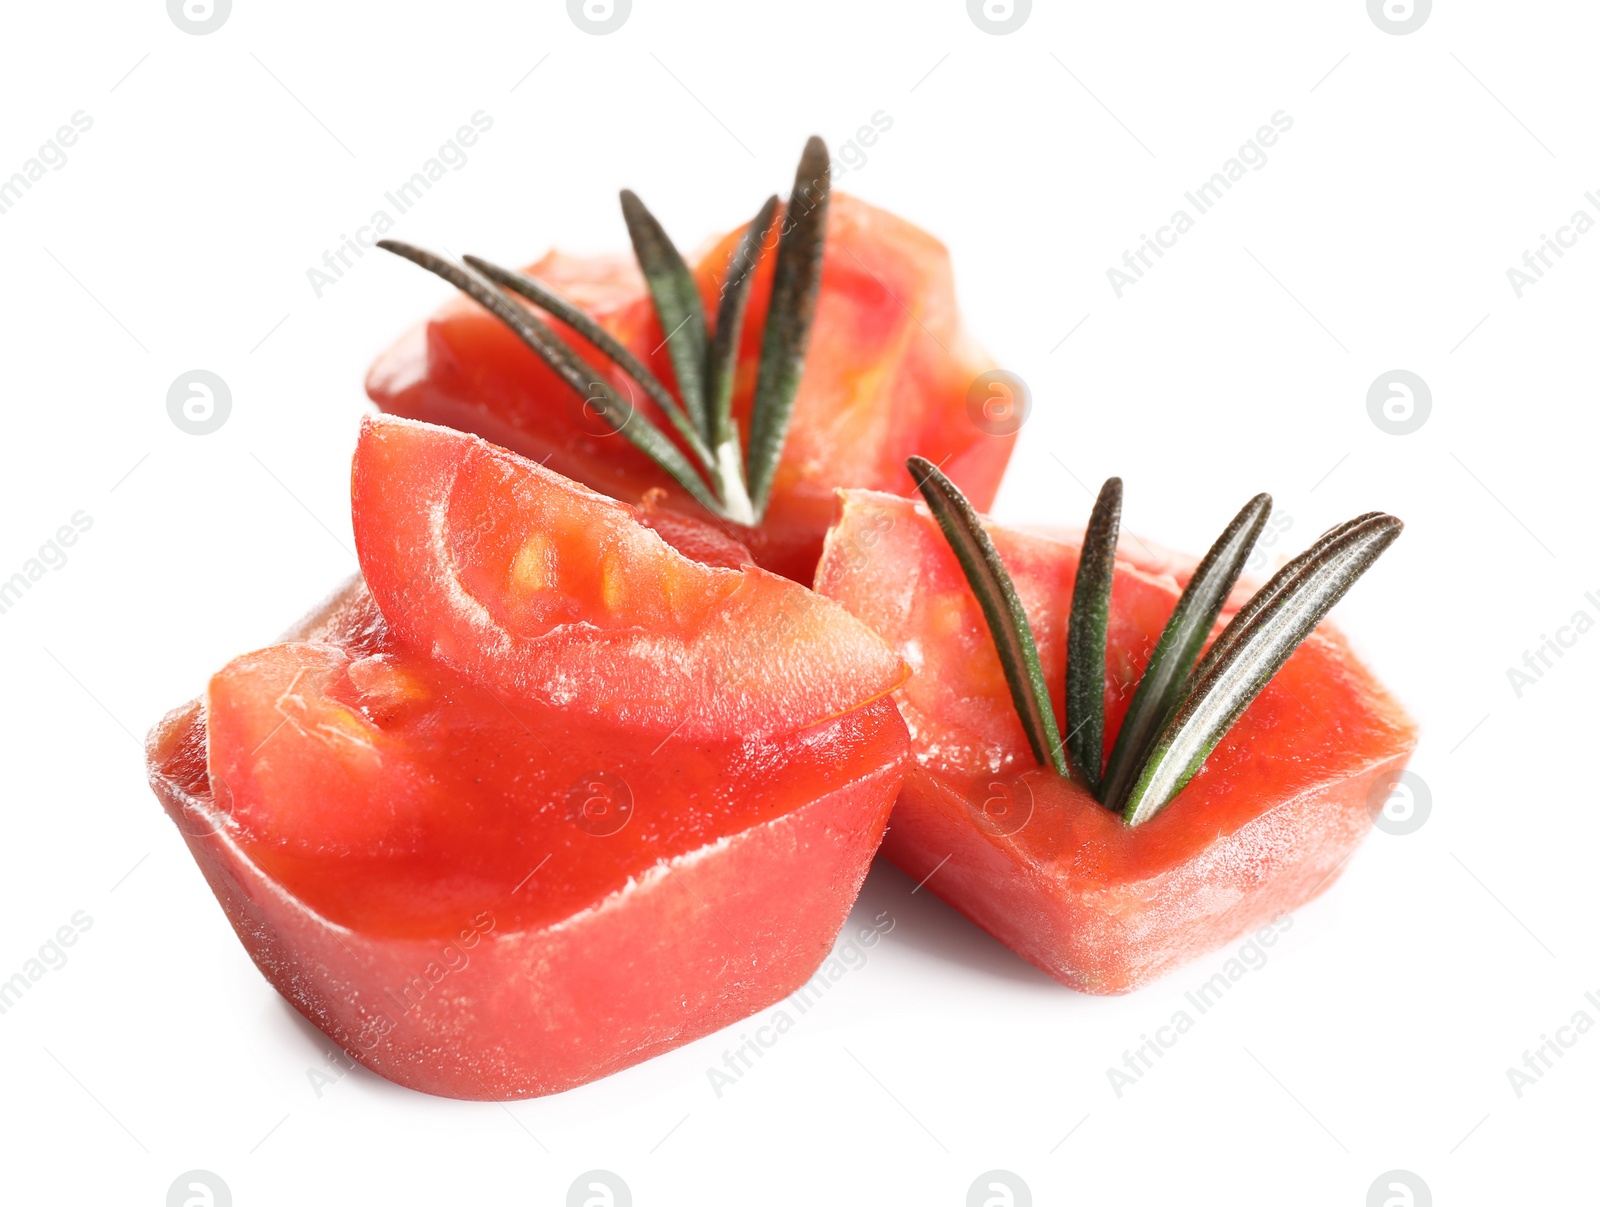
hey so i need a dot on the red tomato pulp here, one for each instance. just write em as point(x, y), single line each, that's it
point(1267, 824)
point(888, 373)
point(487, 892)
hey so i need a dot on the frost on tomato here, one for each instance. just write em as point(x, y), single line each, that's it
point(1267, 824)
point(887, 374)
point(483, 887)
point(544, 590)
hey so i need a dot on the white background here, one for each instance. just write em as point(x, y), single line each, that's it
point(1378, 235)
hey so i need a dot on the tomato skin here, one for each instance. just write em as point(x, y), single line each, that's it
point(540, 588)
point(487, 892)
point(695, 538)
point(887, 375)
point(682, 952)
point(395, 795)
point(1265, 826)
point(312, 694)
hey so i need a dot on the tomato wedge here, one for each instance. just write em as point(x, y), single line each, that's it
point(482, 887)
point(1033, 858)
point(888, 373)
point(546, 591)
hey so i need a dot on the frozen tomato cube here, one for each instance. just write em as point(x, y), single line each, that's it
point(1034, 859)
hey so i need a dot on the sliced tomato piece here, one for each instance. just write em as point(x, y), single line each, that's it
point(545, 591)
point(485, 897)
point(696, 539)
point(269, 712)
point(524, 814)
point(888, 373)
point(1034, 859)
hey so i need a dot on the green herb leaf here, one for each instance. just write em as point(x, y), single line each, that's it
point(796, 279)
point(704, 368)
point(677, 300)
point(1161, 687)
point(1086, 634)
point(548, 299)
point(723, 358)
point(1008, 623)
point(1275, 585)
point(568, 365)
point(1253, 655)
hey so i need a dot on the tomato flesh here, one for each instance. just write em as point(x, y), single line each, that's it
point(546, 591)
point(355, 773)
point(1034, 859)
point(482, 891)
point(887, 375)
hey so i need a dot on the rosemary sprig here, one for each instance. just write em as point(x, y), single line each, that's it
point(795, 281)
point(1086, 635)
point(1008, 623)
point(567, 364)
point(710, 465)
point(1181, 708)
point(548, 299)
point(1257, 649)
point(723, 355)
point(1275, 585)
point(677, 300)
point(1161, 687)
